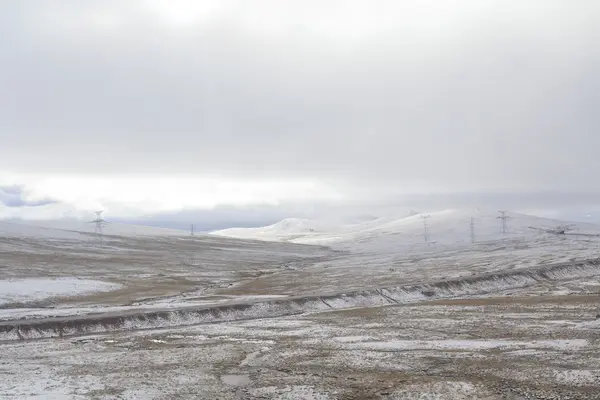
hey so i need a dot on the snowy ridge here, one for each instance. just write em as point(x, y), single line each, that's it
point(285, 230)
point(446, 227)
point(474, 285)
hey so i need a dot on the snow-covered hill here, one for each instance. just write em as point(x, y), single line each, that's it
point(289, 229)
point(445, 228)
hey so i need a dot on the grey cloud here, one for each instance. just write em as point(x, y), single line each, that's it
point(15, 196)
point(504, 96)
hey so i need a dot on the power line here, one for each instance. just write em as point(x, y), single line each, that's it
point(503, 217)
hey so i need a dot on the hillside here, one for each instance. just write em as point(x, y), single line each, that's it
point(446, 228)
point(288, 229)
point(75, 229)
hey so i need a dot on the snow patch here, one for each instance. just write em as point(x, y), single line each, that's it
point(35, 289)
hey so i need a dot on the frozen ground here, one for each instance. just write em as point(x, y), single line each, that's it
point(212, 317)
point(516, 347)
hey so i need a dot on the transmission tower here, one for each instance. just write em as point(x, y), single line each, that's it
point(192, 230)
point(99, 222)
point(503, 217)
point(426, 227)
point(472, 230)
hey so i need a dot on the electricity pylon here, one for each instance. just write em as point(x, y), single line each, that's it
point(99, 223)
point(503, 217)
point(425, 227)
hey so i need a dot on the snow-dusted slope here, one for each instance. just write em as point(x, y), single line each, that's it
point(73, 229)
point(288, 229)
point(447, 227)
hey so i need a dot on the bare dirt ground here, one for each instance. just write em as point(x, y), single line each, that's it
point(538, 340)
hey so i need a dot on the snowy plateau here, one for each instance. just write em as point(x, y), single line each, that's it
point(446, 304)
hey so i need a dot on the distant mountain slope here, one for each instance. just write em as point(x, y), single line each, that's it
point(446, 227)
point(74, 229)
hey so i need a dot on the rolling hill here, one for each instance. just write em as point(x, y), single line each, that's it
point(446, 228)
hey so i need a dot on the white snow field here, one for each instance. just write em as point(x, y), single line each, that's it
point(36, 289)
point(376, 313)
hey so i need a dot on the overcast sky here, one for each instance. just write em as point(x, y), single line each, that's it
point(158, 106)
